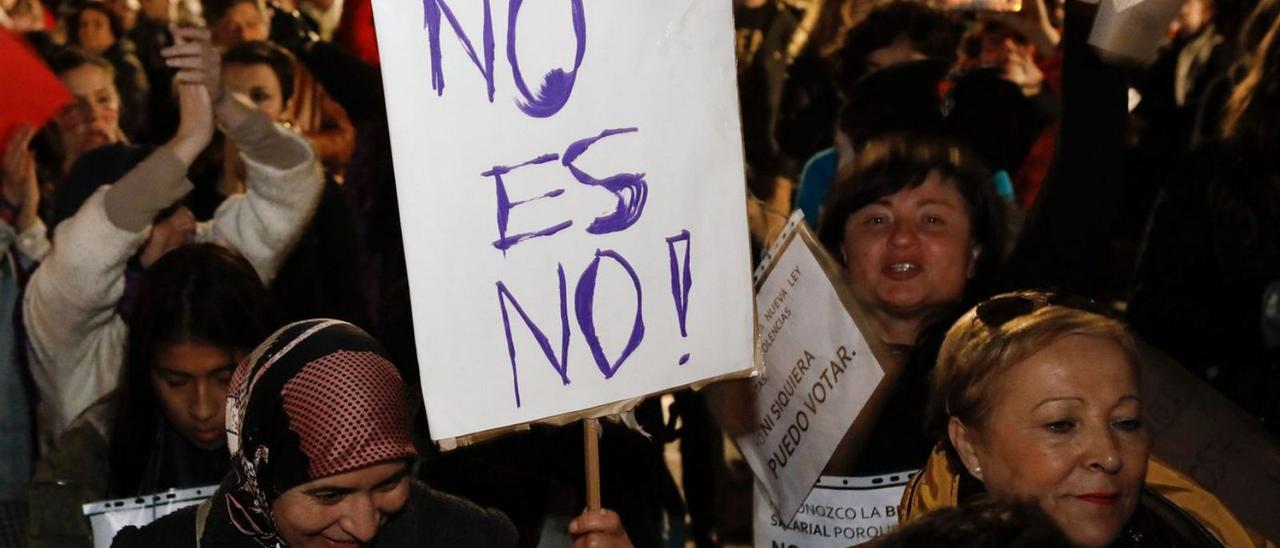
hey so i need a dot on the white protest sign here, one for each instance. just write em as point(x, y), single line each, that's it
point(108, 517)
point(840, 511)
point(1133, 30)
point(570, 179)
point(819, 372)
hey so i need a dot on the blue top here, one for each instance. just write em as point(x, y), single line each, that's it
point(815, 181)
point(15, 410)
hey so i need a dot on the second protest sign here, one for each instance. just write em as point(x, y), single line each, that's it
point(819, 372)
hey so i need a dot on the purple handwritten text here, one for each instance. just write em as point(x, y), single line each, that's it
point(557, 85)
point(681, 281)
point(505, 205)
point(630, 188)
point(560, 364)
point(584, 307)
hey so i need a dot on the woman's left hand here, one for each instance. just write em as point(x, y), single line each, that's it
point(196, 60)
point(1021, 69)
point(598, 529)
point(18, 173)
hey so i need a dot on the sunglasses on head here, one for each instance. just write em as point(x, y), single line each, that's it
point(1000, 310)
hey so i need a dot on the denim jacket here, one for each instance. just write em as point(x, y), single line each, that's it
point(18, 255)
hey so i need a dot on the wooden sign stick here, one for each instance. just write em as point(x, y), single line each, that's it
point(591, 443)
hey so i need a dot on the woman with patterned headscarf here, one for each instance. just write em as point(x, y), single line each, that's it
point(318, 424)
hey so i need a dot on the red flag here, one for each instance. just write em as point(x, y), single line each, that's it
point(29, 91)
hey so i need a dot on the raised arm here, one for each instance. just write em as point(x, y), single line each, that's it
point(1065, 241)
point(283, 179)
point(21, 227)
point(69, 310)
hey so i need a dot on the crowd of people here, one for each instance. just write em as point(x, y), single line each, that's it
point(1022, 217)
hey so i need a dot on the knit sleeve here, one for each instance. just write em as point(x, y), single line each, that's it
point(76, 336)
point(266, 221)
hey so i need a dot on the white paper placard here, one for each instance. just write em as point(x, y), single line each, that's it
point(108, 517)
point(570, 179)
point(819, 373)
point(840, 511)
point(1132, 30)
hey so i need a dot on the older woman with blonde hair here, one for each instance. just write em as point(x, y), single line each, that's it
point(1036, 397)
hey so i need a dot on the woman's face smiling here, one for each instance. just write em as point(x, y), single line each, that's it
point(1065, 430)
point(343, 510)
point(909, 254)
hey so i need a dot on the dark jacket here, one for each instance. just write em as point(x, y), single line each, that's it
point(149, 38)
point(78, 472)
point(370, 185)
point(763, 34)
point(1212, 249)
point(429, 518)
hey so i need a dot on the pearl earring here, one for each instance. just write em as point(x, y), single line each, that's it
point(977, 472)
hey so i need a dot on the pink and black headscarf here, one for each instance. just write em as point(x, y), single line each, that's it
point(318, 398)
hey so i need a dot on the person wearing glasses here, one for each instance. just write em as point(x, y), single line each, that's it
point(1036, 397)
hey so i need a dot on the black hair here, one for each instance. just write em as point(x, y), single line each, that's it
point(215, 9)
point(971, 43)
point(931, 31)
point(894, 163)
point(984, 523)
point(73, 23)
point(101, 166)
point(66, 59)
point(199, 293)
point(265, 53)
point(899, 99)
point(992, 115)
point(1229, 17)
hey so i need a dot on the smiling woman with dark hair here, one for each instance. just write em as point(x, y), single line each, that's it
point(918, 228)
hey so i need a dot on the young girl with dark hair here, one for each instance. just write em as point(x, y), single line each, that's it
point(199, 310)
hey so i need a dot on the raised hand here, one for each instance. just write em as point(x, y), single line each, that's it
point(196, 60)
point(174, 231)
point(1021, 69)
point(1033, 22)
point(20, 186)
point(199, 82)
